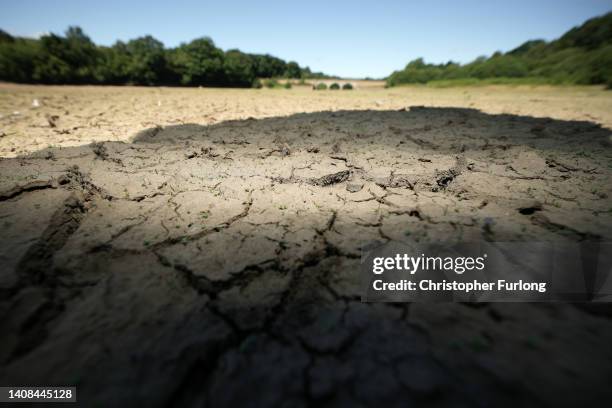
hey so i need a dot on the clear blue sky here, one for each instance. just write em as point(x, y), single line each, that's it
point(348, 38)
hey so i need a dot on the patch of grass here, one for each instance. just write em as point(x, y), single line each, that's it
point(448, 83)
point(320, 87)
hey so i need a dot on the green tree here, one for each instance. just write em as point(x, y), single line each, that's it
point(267, 66)
point(199, 62)
point(18, 59)
point(68, 59)
point(144, 59)
point(581, 56)
point(238, 68)
point(6, 37)
point(74, 59)
point(293, 70)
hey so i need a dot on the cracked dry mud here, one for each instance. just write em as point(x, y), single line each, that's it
point(218, 265)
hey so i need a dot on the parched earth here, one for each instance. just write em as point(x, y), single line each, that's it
point(218, 264)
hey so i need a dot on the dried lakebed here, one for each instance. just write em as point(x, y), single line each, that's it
point(219, 264)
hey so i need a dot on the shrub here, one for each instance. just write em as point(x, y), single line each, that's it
point(288, 85)
point(257, 84)
point(334, 86)
point(347, 86)
point(321, 87)
point(271, 83)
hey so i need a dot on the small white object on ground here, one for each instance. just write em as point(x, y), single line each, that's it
point(35, 103)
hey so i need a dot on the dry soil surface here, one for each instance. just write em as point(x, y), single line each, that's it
point(205, 249)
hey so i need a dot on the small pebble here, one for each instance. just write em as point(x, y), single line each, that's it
point(353, 187)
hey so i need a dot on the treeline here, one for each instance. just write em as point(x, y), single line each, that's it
point(583, 55)
point(75, 59)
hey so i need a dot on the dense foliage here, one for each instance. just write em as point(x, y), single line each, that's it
point(583, 55)
point(75, 59)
